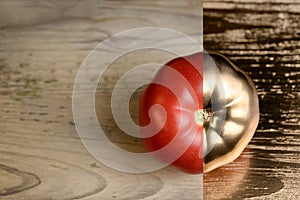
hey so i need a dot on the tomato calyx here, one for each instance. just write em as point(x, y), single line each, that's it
point(203, 116)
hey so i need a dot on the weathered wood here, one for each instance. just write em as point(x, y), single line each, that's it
point(42, 44)
point(262, 38)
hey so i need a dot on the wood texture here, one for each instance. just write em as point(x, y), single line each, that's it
point(262, 38)
point(42, 44)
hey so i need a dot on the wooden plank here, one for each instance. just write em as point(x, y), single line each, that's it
point(262, 38)
point(42, 44)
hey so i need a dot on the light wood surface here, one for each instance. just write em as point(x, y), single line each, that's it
point(42, 44)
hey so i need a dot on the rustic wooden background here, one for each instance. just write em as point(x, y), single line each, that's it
point(42, 44)
point(262, 38)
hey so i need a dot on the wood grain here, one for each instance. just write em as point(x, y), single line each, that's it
point(42, 44)
point(262, 38)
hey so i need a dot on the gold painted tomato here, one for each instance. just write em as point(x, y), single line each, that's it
point(210, 112)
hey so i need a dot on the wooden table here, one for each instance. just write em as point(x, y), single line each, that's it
point(262, 38)
point(42, 45)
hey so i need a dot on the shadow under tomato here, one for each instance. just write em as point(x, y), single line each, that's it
point(237, 181)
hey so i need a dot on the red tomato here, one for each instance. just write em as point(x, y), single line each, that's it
point(181, 107)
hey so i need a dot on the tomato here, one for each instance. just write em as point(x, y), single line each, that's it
point(233, 100)
point(210, 112)
point(190, 69)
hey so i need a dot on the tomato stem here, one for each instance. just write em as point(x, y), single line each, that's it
point(202, 116)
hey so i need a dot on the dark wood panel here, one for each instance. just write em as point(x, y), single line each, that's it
point(262, 38)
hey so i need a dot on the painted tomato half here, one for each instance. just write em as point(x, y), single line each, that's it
point(198, 113)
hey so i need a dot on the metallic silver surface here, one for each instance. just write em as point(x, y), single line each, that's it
point(231, 96)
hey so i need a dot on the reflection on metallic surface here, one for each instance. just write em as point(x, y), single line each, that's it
point(232, 98)
point(242, 179)
point(227, 179)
